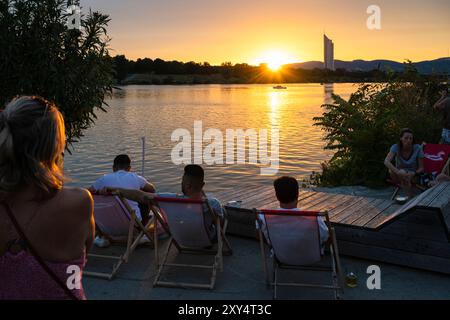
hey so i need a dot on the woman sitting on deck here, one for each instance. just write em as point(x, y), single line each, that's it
point(45, 228)
point(408, 161)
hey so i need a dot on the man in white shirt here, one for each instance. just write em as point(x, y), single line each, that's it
point(122, 177)
point(192, 184)
point(287, 190)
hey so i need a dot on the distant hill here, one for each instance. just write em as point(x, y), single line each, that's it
point(441, 65)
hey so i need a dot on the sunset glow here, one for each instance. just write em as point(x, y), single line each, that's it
point(275, 59)
point(214, 31)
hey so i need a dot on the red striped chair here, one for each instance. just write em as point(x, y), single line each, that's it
point(185, 221)
point(115, 218)
point(294, 238)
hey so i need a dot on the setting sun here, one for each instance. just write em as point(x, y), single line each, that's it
point(275, 59)
point(275, 65)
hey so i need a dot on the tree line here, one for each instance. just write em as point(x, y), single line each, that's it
point(237, 73)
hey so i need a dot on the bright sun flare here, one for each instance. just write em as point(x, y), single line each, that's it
point(275, 60)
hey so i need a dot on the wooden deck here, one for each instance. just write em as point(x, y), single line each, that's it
point(416, 234)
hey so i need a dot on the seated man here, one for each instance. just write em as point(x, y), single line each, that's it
point(122, 177)
point(192, 187)
point(286, 190)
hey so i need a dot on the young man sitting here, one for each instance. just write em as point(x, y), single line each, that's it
point(287, 190)
point(123, 177)
point(192, 187)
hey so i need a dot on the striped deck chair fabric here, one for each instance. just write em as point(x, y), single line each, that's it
point(294, 238)
point(188, 224)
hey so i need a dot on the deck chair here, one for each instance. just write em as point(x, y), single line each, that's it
point(293, 237)
point(436, 161)
point(115, 218)
point(184, 220)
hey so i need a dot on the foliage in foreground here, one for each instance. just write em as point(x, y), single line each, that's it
point(40, 55)
point(361, 129)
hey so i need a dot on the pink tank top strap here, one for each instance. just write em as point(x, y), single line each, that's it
point(36, 257)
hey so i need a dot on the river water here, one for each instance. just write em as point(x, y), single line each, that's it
point(160, 112)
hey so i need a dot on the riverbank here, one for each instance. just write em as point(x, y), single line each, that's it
point(192, 79)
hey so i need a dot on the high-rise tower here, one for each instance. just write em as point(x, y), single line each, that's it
point(328, 47)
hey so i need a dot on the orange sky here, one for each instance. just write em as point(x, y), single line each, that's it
point(245, 30)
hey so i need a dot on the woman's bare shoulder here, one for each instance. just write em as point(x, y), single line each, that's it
point(78, 199)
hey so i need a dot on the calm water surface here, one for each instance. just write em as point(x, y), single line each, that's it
point(154, 112)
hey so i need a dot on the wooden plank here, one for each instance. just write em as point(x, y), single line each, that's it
point(445, 216)
point(422, 200)
point(383, 217)
point(415, 231)
point(329, 204)
point(259, 195)
point(346, 203)
point(382, 214)
point(259, 198)
point(402, 258)
point(372, 211)
point(360, 212)
point(225, 194)
point(357, 209)
point(307, 197)
point(243, 198)
point(274, 204)
point(447, 222)
point(262, 204)
point(250, 190)
point(443, 199)
point(401, 242)
point(338, 200)
point(305, 194)
point(271, 206)
point(370, 214)
point(312, 199)
point(422, 216)
point(428, 196)
point(308, 205)
point(418, 204)
point(231, 195)
point(318, 202)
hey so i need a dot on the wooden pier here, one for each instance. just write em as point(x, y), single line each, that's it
point(416, 234)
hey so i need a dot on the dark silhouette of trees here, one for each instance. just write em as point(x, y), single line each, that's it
point(164, 72)
point(122, 67)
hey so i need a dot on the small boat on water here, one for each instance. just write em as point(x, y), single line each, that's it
point(279, 87)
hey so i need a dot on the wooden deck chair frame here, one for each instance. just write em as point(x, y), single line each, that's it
point(219, 252)
point(136, 231)
point(445, 170)
point(335, 268)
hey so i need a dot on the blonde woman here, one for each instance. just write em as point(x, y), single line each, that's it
point(45, 228)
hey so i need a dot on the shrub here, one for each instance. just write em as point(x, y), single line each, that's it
point(362, 129)
point(40, 55)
